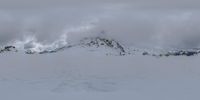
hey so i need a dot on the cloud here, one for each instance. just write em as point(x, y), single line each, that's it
point(166, 4)
point(139, 22)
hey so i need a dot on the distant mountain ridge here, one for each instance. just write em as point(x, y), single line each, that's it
point(112, 47)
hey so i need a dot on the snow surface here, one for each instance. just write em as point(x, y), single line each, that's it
point(78, 74)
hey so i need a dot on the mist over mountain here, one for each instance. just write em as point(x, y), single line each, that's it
point(152, 24)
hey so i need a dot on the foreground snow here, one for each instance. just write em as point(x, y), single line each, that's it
point(76, 74)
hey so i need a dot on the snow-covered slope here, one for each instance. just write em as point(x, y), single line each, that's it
point(77, 74)
point(97, 68)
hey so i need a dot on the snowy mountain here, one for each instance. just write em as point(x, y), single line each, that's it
point(111, 46)
point(105, 43)
point(80, 74)
point(102, 45)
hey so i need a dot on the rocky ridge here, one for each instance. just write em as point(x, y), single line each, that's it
point(107, 43)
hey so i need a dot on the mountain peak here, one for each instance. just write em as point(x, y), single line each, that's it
point(100, 42)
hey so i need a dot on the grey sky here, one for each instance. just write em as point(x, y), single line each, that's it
point(137, 3)
point(158, 22)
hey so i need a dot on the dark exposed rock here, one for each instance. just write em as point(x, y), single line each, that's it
point(191, 52)
point(184, 53)
point(114, 46)
point(99, 42)
point(8, 48)
point(145, 53)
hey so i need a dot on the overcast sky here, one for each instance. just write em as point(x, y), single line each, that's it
point(137, 3)
point(158, 22)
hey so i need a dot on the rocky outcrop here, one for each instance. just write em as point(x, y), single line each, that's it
point(191, 52)
point(99, 42)
point(110, 46)
point(8, 48)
